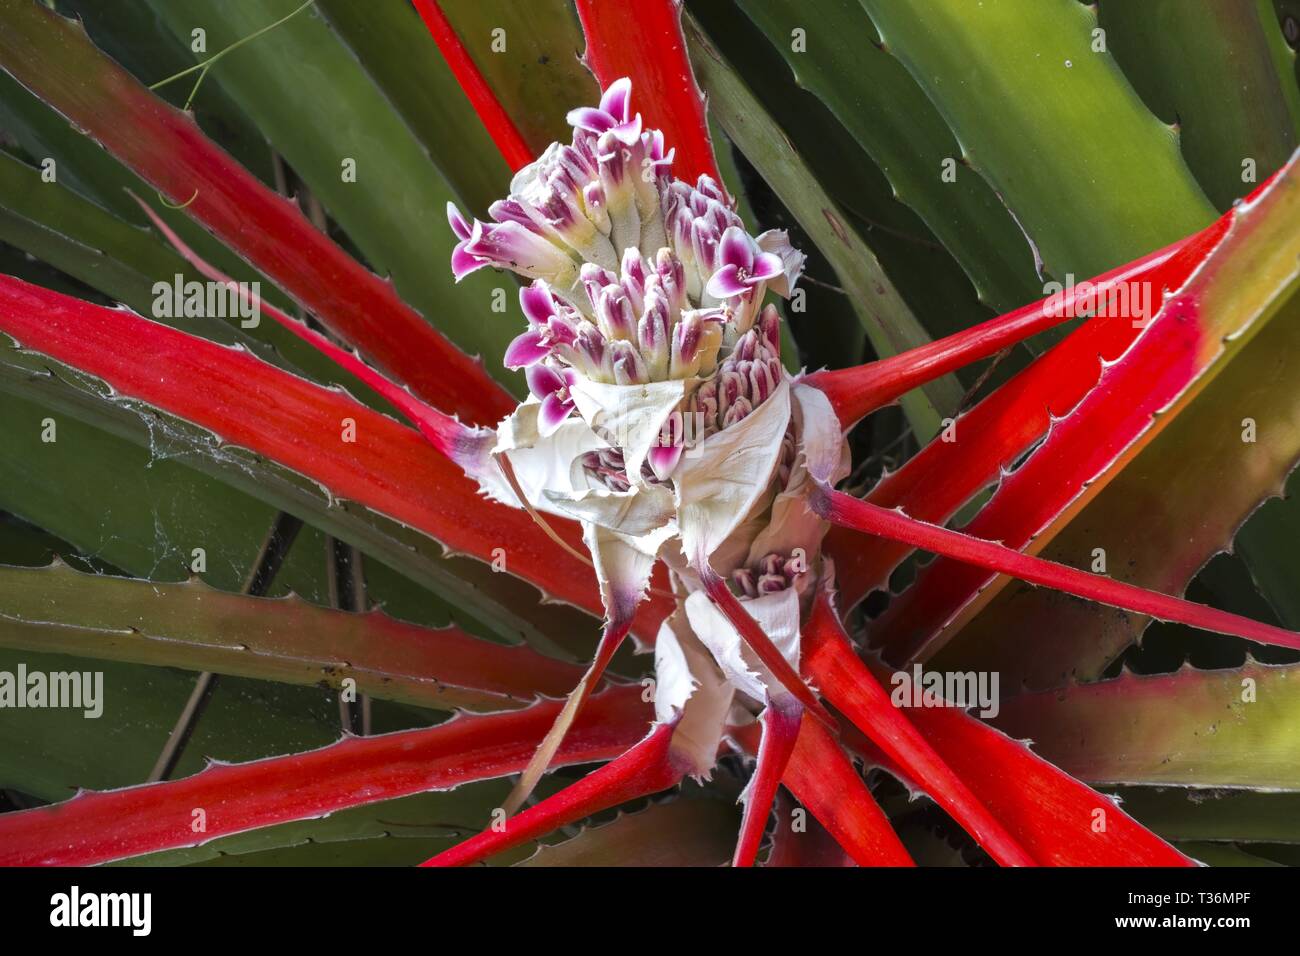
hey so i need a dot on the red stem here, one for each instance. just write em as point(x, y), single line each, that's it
point(856, 693)
point(495, 119)
point(851, 512)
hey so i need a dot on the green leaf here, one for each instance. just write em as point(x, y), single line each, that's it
point(116, 258)
point(1267, 542)
point(132, 35)
point(838, 58)
point(929, 279)
point(680, 832)
point(395, 48)
point(1228, 728)
point(1240, 816)
point(1092, 176)
point(1239, 104)
point(1223, 854)
point(82, 166)
point(114, 501)
point(321, 111)
point(528, 53)
point(51, 752)
point(889, 323)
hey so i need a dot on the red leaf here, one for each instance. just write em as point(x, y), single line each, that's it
point(646, 45)
point(780, 721)
point(499, 125)
point(389, 468)
point(646, 768)
point(1050, 813)
point(1046, 811)
point(845, 510)
point(1136, 396)
point(822, 779)
point(944, 475)
point(855, 392)
point(936, 481)
point(812, 846)
point(845, 681)
point(96, 827)
point(53, 57)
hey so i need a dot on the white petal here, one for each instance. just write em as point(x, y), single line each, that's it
point(636, 513)
point(623, 568)
point(777, 614)
point(821, 450)
point(821, 439)
point(540, 463)
point(720, 481)
point(629, 416)
point(687, 682)
point(777, 242)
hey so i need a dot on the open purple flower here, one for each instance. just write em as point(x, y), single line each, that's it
point(462, 262)
point(551, 322)
point(614, 115)
point(743, 265)
point(552, 387)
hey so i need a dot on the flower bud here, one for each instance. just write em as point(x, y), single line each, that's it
point(617, 180)
point(625, 363)
point(634, 273)
point(696, 340)
point(606, 467)
point(672, 279)
point(614, 314)
point(653, 335)
point(743, 578)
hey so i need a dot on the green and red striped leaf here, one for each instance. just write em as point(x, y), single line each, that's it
point(55, 609)
point(53, 57)
point(1239, 281)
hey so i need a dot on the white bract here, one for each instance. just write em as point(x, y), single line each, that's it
point(661, 417)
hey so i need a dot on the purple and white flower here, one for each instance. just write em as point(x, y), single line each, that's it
point(552, 387)
point(613, 116)
point(742, 265)
point(552, 324)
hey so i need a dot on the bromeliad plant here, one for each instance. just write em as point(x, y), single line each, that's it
point(671, 469)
